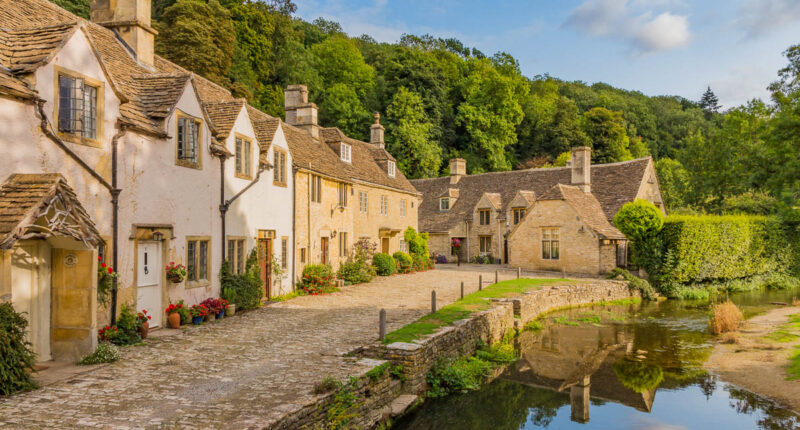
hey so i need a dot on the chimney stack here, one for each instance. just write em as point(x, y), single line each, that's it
point(458, 168)
point(130, 19)
point(299, 112)
point(581, 161)
point(376, 132)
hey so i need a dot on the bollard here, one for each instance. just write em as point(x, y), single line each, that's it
point(433, 301)
point(480, 282)
point(382, 324)
point(496, 276)
point(462, 289)
point(519, 272)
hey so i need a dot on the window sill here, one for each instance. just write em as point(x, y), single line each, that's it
point(80, 140)
point(243, 176)
point(280, 184)
point(188, 164)
point(197, 284)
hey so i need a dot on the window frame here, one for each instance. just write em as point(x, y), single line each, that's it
point(346, 152)
point(183, 162)
point(197, 281)
point(485, 244)
point(391, 169)
point(284, 252)
point(517, 214)
point(235, 258)
point(342, 192)
point(302, 255)
point(99, 87)
point(488, 216)
point(363, 202)
point(245, 171)
point(442, 200)
point(316, 188)
point(403, 207)
point(548, 242)
point(279, 160)
point(384, 205)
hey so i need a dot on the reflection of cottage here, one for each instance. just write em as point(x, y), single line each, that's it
point(541, 219)
point(48, 269)
point(581, 360)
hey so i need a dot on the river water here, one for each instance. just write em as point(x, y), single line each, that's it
point(614, 367)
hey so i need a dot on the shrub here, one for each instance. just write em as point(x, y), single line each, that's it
point(640, 221)
point(317, 279)
point(364, 249)
point(183, 311)
point(356, 271)
point(635, 282)
point(16, 355)
point(420, 263)
point(384, 264)
point(457, 376)
point(244, 290)
point(638, 376)
point(724, 317)
point(417, 242)
point(126, 332)
point(106, 352)
point(441, 259)
point(483, 259)
point(404, 262)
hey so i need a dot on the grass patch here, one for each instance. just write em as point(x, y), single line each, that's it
point(589, 318)
point(534, 325)
point(475, 302)
point(563, 320)
point(781, 336)
point(794, 365)
point(284, 297)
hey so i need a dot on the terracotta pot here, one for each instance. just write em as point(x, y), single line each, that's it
point(231, 310)
point(144, 329)
point(211, 317)
point(174, 320)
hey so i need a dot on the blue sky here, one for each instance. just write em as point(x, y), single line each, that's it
point(654, 46)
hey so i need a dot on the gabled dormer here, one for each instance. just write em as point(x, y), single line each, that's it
point(448, 199)
point(488, 208)
point(519, 206)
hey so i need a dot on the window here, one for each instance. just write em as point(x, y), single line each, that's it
point(197, 259)
point(284, 252)
point(77, 106)
point(302, 255)
point(444, 204)
point(316, 188)
point(403, 245)
point(384, 205)
point(402, 207)
point(550, 249)
point(236, 256)
point(189, 141)
point(390, 168)
point(343, 244)
point(519, 213)
point(485, 244)
point(363, 202)
point(342, 195)
point(345, 149)
point(244, 158)
point(485, 216)
point(279, 167)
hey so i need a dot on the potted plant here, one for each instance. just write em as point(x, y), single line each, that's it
point(176, 273)
point(105, 281)
point(198, 312)
point(455, 243)
point(223, 307)
point(183, 311)
point(213, 308)
point(173, 317)
point(143, 321)
point(231, 311)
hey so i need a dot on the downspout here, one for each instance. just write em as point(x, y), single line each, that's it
point(294, 229)
point(308, 217)
point(223, 208)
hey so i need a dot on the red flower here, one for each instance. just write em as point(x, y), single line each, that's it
point(110, 270)
point(149, 317)
point(103, 265)
point(99, 258)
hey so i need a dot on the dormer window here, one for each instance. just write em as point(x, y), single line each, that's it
point(390, 168)
point(188, 141)
point(78, 107)
point(344, 150)
point(444, 204)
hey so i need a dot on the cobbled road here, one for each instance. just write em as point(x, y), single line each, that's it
point(241, 372)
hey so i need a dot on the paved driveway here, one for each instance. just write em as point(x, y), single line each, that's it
point(241, 372)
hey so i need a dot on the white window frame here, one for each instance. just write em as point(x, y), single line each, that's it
point(402, 207)
point(391, 168)
point(444, 201)
point(363, 202)
point(384, 205)
point(346, 152)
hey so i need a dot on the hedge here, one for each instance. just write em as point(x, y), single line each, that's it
point(697, 249)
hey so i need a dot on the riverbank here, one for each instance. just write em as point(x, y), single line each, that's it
point(759, 356)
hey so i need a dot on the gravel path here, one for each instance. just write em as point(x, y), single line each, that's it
point(241, 372)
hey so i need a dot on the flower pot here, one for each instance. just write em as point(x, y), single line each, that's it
point(231, 310)
point(144, 329)
point(211, 317)
point(221, 314)
point(197, 320)
point(175, 279)
point(174, 320)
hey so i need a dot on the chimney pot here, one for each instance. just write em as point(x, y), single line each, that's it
point(581, 162)
point(299, 112)
point(130, 19)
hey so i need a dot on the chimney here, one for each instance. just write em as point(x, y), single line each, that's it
point(376, 133)
point(580, 163)
point(299, 112)
point(458, 168)
point(130, 19)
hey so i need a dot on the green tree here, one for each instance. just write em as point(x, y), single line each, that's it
point(674, 181)
point(342, 108)
point(78, 7)
point(709, 101)
point(410, 136)
point(606, 131)
point(198, 36)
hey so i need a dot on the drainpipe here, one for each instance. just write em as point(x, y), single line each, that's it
point(294, 229)
point(223, 208)
point(226, 204)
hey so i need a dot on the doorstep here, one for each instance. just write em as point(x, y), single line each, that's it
point(51, 372)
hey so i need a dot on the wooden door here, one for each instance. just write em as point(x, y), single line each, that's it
point(505, 250)
point(265, 264)
point(324, 250)
point(30, 294)
point(148, 280)
point(385, 245)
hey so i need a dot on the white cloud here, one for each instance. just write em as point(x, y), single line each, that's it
point(628, 22)
point(369, 19)
point(741, 85)
point(758, 17)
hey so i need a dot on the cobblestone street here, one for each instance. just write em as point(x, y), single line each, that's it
point(241, 372)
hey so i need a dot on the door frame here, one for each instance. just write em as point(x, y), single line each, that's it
point(160, 280)
point(266, 237)
point(162, 233)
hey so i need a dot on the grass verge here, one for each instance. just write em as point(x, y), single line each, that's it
point(475, 302)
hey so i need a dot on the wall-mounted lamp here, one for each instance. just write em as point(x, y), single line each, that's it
point(158, 236)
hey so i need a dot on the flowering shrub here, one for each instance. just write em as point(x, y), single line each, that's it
point(421, 263)
point(106, 352)
point(404, 262)
point(212, 305)
point(183, 310)
point(125, 332)
point(384, 264)
point(105, 280)
point(441, 259)
point(142, 317)
point(108, 333)
point(223, 304)
point(176, 273)
point(171, 309)
point(364, 249)
point(198, 310)
point(317, 279)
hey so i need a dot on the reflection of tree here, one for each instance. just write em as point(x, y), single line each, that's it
point(637, 375)
point(773, 416)
point(501, 405)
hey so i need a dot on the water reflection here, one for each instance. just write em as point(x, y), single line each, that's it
point(611, 367)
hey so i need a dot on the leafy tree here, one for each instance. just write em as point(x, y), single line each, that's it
point(640, 221)
point(709, 101)
point(198, 36)
point(342, 108)
point(674, 181)
point(606, 130)
point(78, 7)
point(410, 136)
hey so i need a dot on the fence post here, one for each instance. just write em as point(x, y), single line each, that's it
point(480, 282)
point(433, 301)
point(462, 289)
point(382, 324)
point(519, 272)
point(496, 276)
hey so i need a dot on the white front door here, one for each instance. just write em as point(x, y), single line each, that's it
point(149, 281)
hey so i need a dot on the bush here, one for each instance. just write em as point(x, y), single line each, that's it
point(458, 376)
point(640, 221)
point(16, 355)
point(635, 282)
point(317, 279)
point(126, 332)
point(405, 264)
point(356, 271)
point(384, 264)
point(483, 259)
point(106, 352)
point(244, 290)
point(417, 242)
point(724, 317)
point(441, 259)
point(421, 263)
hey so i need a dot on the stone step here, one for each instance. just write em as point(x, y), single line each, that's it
point(401, 403)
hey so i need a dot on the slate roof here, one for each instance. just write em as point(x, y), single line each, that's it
point(587, 207)
point(224, 115)
point(159, 93)
point(25, 198)
point(25, 49)
point(265, 127)
point(613, 185)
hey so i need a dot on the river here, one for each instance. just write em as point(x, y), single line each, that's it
point(635, 366)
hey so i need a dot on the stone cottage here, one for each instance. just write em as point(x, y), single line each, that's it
point(542, 219)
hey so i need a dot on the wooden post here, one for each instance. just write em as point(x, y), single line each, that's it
point(480, 282)
point(433, 301)
point(462, 289)
point(496, 276)
point(519, 272)
point(382, 324)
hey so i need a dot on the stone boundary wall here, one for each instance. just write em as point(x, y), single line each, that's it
point(461, 339)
